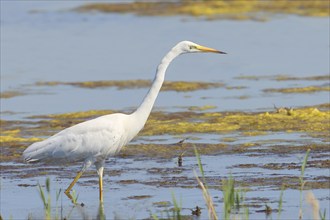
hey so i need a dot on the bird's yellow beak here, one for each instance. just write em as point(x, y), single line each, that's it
point(207, 49)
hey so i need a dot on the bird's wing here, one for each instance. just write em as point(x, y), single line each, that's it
point(95, 138)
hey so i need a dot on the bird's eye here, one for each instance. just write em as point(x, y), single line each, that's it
point(192, 47)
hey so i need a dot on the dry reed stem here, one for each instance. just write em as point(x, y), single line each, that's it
point(208, 200)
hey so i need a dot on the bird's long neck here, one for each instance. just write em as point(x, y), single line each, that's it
point(142, 112)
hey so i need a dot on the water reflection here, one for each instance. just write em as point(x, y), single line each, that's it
point(100, 213)
point(82, 212)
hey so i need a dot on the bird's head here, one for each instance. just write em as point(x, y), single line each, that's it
point(191, 47)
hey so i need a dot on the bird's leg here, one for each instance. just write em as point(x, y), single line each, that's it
point(67, 191)
point(100, 172)
point(87, 164)
point(100, 167)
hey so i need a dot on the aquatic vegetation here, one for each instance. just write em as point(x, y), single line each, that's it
point(10, 94)
point(307, 89)
point(307, 78)
point(235, 87)
point(312, 121)
point(178, 86)
point(75, 115)
point(282, 77)
point(14, 136)
point(238, 10)
point(202, 183)
point(233, 197)
point(201, 108)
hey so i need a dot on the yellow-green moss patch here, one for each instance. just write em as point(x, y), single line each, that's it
point(307, 78)
point(178, 86)
point(235, 9)
point(282, 77)
point(14, 136)
point(201, 108)
point(76, 115)
point(311, 122)
point(10, 94)
point(307, 89)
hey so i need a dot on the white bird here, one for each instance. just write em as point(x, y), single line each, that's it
point(93, 141)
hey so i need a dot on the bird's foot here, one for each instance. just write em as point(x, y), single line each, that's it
point(73, 197)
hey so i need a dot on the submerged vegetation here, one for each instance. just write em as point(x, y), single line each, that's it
point(178, 86)
point(308, 121)
point(282, 77)
point(221, 9)
point(307, 89)
point(10, 94)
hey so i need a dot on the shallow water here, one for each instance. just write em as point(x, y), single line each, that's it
point(127, 181)
point(53, 44)
point(58, 45)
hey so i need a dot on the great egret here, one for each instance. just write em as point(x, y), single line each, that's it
point(95, 140)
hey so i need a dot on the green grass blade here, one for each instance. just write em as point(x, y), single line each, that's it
point(303, 166)
point(199, 161)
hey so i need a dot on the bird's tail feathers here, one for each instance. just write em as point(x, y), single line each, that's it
point(35, 152)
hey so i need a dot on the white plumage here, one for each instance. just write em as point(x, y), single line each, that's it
point(90, 140)
point(95, 140)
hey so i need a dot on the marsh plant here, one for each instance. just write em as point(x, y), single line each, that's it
point(233, 199)
point(234, 206)
point(45, 195)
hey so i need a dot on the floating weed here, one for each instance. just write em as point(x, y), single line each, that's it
point(75, 115)
point(310, 120)
point(237, 10)
point(307, 89)
point(178, 86)
point(202, 108)
point(9, 136)
point(284, 78)
point(11, 94)
point(307, 78)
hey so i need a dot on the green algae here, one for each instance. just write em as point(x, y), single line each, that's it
point(139, 197)
point(301, 120)
point(309, 121)
point(178, 86)
point(282, 77)
point(306, 89)
point(307, 78)
point(11, 94)
point(14, 136)
point(202, 108)
point(238, 10)
point(76, 115)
